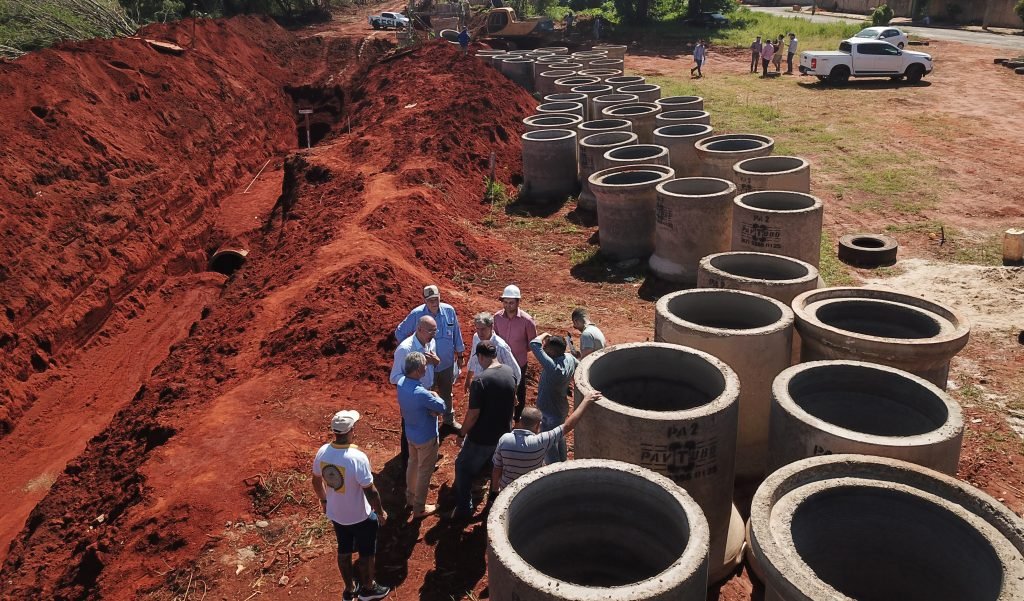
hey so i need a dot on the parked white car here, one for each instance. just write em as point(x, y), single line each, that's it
point(858, 57)
point(893, 35)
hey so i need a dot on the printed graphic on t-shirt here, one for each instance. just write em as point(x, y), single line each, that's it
point(334, 476)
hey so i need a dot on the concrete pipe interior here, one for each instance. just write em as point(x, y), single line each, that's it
point(873, 543)
point(608, 138)
point(656, 378)
point(630, 110)
point(724, 310)
point(603, 124)
point(597, 527)
point(625, 80)
point(697, 186)
point(853, 397)
point(592, 88)
point(555, 120)
point(638, 88)
point(636, 152)
point(228, 260)
point(546, 135)
point(733, 145)
point(673, 100)
point(765, 165)
point(630, 178)
point(683, 114)
point(565, 97)
point(777, 200)
point(572, 82)
point(758, 266)
point(682, 130)
point(559, 107)
point(879, 318)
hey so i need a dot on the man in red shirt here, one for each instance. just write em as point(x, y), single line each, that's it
point(516, 328)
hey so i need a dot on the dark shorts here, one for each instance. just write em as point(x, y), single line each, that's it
point(358, 538)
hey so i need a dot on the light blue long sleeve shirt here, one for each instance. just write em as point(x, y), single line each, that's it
point(419, 407)
point(448, 337)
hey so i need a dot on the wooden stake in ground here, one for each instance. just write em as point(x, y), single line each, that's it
point(307, 113)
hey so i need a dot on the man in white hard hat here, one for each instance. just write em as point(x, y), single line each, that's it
point(451, 349)
point(343, 481)
point(517, 328)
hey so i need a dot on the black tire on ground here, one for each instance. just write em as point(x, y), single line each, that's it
point(999, 61)
point(1019, 70)
point(839, 76)
point(375, 25)
point(868, 250)
point(915, 73)
point(1013, 64)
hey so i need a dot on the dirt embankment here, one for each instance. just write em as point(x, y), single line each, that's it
point(363, 221)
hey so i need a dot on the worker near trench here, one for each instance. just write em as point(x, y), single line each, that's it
point(591, 337)
point(420, 409)
point(352, 503)
point(421, 341)
point(557, 369)
point(450, 346)
point(516, 327)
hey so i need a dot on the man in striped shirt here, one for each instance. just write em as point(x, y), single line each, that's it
point(522, 450)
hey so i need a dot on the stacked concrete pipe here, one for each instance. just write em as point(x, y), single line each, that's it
point(680, 139)
point(624, 198)
point(828, 407)
point(592, 91)
point(520, 70)
point(773, 173)
point(683, 117)
point(774, 276)
point(641, 114)
point(880, 326)
point(549, 165)
point(671, 409)
point(554, 108)
point(753, 334)
point(612, 51)
point(555, 121)
point(845, 527)
point(682, 103)
point(718, 154)
point(694, 219)
point(606, 101)
point(566, 84)
point(778, 222)
point(545, 80)
point(592, 148)
point(625, 80)
point(647, 92)
point(594, 529)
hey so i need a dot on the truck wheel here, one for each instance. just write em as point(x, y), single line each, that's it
point(868, 250)
point(839, 76)
point(915, 73)
point(375, 25)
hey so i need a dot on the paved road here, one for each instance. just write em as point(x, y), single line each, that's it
point(1010, 42)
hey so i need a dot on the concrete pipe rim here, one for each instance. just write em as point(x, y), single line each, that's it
point(618, 99)
point(591, 88)
point(548, 135)
point(521, 495)
point(648, 174)
point(636, 109)
point(576, 81)
point(730, 146)
point(717, 395)
point(801, 389)
point(559, 107)
point(679, 100)
point(608, 61)
point(518, 59)
point(778, 202)
point(776, 500)
point(609, 139)
point(558, 74)
point(948, 339)
point(767, 142)
point(682, 130)
point(600, 73)
point(228, 259)
point(571, 67)
point(626, 80)
point(638, 88)
point(599, 125)
point(771, 165)
point(682, 114)
point(709, 311)
point(565, 97)
point(556, 120)
point(728, 265)
point(637, 152)
point(697, 187)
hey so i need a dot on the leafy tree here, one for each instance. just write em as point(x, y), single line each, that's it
point(1019, 9)
point(881, 15)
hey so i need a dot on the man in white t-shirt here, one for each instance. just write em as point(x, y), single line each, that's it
point(344, 484)
point(591, 337)
point(484, 324)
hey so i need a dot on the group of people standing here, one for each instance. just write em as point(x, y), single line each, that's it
point(501, 436)
point(769, 52)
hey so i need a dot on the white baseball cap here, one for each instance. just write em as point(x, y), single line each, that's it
point(343, 421)
point(431, 291)
point(511, 291)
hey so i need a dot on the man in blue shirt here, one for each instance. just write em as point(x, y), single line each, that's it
point(464, 40)
point(450, 347)
point(557, 369)
point(422, 341)
point(420, 409)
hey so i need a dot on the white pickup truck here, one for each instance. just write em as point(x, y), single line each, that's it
point(385, 20)
point(865, 58)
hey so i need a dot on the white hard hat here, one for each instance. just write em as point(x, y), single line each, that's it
point(511, 291)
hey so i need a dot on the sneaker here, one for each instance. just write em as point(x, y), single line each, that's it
point(419, 515)
point(349, 595)
point(370, 593)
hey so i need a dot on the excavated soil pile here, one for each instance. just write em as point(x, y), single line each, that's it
point(363, 221)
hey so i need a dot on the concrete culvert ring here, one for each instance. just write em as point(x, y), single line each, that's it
point(552, 121)
point(825, 407)
point(673, 117)
point(774, 276)
point(678, 103)
point(624, 199)
point(868, 250)
point(844, 527)
point(573, 108)
point(647, 92)
point(228, 260)
point(625, 80)
point(596, 529)
point(777, 220)
point(718, 154)
point(694, 219)
point(592, 149)
point(651, 154)
point(773, 173)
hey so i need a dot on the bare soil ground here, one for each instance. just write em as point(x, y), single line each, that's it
point(185, 474)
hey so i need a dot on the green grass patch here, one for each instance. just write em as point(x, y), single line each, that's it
point(986, 250)
point(746, 24)
point(830, 268)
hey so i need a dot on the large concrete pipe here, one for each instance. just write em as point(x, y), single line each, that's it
point(625, 197)
point(557, 50)
point(554, 108)
point(782, 223)
point(555, 121)
point(774, 276)
point(647, 92)
point(549, 165)
point(641, 114)
point(519, 70)
point(694, 219)
point(601, 74)
point(681, 103)
point(681, 140)
point(567, 97)
point(550, 58)
point(634, 154)
point(827, 407)
point(718, 154)
point(773, 173)
point(591, 91)
point(610, 63)
point(625, 80)
point(496, 59)
point(564, 85)
point(682, 118)
point(594, 529)
point(600, 103)
point(600, 126)
point(612, 51)
point(753, 334)
point(880, 326)
point(545, 81)
point(592, 148)
point(671, 409)
point(845, 527)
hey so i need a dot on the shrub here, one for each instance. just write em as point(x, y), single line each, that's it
point(881, 15)
point(1019, 9)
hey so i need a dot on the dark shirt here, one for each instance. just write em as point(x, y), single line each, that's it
point(493, 392)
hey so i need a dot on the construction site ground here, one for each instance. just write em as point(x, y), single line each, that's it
point(158, 419)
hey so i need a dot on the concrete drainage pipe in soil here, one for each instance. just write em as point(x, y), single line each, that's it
point(868, 250)
point(681, 103)
point(694, 219)
point(773, 173)
point(592, 148)
point(625, 198)
point(718, 154)
point(774, 276)
point(845, 527)
point(549, 165)
point(595, 529)
point(680, 139)
point(778, 222)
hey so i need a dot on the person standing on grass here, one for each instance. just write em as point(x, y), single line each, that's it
point(464, 41)
point(766, 56)
point(557, 369)
point(755, 54)
point(568, 20)
point(420, 409)
point(793, 44)
point(699, 53)
point(516, 328)
point(352, 503)
point(777, 56)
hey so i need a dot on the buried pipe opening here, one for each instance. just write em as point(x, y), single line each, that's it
point(776, 200)
point(760, 266)
point(879, 318)
point(657, 378)
point(724, 309)
point(228, 260)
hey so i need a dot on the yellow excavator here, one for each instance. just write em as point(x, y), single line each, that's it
point(502, 24)
point(492, 22)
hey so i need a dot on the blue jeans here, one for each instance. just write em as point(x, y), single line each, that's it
point(472, 458)
point(558, 451)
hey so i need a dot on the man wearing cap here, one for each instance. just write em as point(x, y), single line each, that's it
point(492, 399)
point(556, 371)
point(450, 347)
point(484, 324)
point(516, 328)
point(422, 341)
point(420, 410)
point(343, 482)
